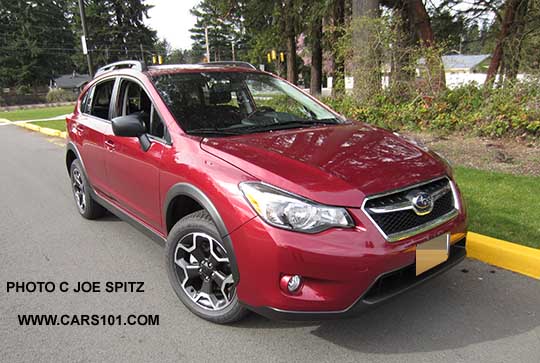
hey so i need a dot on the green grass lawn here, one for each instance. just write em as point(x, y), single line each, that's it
point(54, 124)
point(36, 113)
point(501, 205)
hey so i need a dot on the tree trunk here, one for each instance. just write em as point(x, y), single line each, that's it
point(337, 71)
point(290, 34)
point(512, 52)
point(498, 52)
point(292, 72)
point(402, 75)
point(366, 62)
point(315, 85)
point(420, 20)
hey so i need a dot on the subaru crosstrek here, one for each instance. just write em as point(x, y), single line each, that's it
point(266, 199)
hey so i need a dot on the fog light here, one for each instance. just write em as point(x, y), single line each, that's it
point(291, 284)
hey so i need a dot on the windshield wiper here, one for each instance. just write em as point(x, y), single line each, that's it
point(290, 124)
point(213, 131)
point(314, 122)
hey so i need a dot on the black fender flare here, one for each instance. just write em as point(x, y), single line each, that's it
point(70, 146)
point(189, 190)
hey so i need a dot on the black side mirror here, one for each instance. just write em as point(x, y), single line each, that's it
point(131, 126)
point(128, 126)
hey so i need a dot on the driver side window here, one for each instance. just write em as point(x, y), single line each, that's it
point(133, 99)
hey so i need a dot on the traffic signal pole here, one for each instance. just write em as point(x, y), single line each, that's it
point(85, 34)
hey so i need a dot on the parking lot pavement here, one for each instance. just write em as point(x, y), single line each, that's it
point(474, 313)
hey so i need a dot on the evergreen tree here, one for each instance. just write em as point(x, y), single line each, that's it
point(224, 30)
point(35, 36)
point(116, 31)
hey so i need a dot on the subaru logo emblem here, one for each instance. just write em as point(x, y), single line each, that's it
point(422, 203)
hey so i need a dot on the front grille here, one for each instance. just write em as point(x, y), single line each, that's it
point(405, 221)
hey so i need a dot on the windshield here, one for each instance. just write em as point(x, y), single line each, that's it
point(234, 103)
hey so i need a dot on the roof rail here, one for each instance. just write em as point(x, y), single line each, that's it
point(229, 64)
point(132, 64)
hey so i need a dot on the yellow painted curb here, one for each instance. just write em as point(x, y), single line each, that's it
point(43, 130)
point(510, 256)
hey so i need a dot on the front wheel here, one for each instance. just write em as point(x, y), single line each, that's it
point(200, 271)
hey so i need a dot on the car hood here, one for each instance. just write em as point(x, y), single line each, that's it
point(334, 165)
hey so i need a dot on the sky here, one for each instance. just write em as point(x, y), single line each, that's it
point(172, 20)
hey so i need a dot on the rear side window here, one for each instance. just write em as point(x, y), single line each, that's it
point(85, 103)
point(101, 99)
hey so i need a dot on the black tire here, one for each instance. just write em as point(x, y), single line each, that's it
point(86, 205)
point(200, 223)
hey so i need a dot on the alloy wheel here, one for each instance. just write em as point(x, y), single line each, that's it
point(78, 189)
point(204, 271)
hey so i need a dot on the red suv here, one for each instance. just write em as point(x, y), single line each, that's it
point(266, 199)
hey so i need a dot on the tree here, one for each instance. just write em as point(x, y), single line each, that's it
point(449, 29)
point(128, 31)
point(258, 27)
point(289, 28)
point(316, 33)
point(419, 18)
point(336, 25)
point(313, 15)
point(116, 31)
point(514, 42)
point(458, 33)
point(181, 56)
point(367, 70)
point(224, 33)
point(34, 39)
point(417, 35)
point(507, 26)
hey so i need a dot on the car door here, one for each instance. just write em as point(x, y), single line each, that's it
point(132, 172)
point(88, 129)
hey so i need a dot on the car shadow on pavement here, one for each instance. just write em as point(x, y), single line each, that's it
point(473, 303)
point(109, 217)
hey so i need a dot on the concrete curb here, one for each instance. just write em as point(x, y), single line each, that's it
point(510, 256)
point(43, 130)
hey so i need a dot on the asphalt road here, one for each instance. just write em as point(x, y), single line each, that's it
point(474, 313)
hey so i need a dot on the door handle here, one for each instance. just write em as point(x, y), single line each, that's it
point(79, 130)
point(110, 145)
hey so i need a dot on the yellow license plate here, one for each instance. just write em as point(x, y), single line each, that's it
point(432, 253)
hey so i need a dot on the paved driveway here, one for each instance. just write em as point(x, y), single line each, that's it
point(474, 313)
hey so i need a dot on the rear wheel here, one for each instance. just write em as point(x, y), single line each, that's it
point(200, 271)
point(86, 205)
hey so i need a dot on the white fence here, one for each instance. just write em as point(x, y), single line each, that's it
point(453, 80)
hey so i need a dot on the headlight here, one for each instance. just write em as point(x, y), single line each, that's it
point(285, 210)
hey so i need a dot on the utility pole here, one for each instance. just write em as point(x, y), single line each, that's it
point(142, 52)
point(233, 55)
point(85, 37)
point(207, 44)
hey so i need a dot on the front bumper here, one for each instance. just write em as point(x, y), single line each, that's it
point(343, 269)
point(384, 288)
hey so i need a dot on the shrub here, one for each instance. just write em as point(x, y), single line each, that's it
point(508, 111)
point(60, 95)
point(23, 90)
